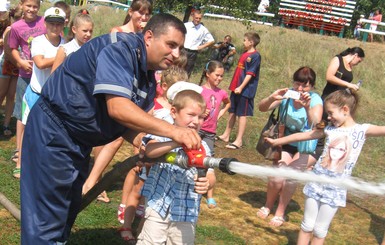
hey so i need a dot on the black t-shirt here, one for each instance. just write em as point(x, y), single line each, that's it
point(224, 50)
point(341, 73)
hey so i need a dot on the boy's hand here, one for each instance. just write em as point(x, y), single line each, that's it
point(26, 65)
point(238, 90)
point(201, 185)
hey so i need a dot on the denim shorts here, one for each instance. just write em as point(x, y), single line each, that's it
point(21, 86)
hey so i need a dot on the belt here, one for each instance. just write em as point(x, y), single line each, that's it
point(191, 51)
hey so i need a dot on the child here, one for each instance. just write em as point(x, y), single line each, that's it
point(8, 70)
point(161, 110)
point(67, 9)
point(243, 88)
point(214, 96)
point(173, 194)
point(82, 27)
point(356, 32)
point(344, 141)
point(43, 54)
point(21, 35)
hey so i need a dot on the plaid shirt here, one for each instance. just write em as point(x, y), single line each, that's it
point(170, 189)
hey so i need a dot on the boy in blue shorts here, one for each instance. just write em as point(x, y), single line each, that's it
point(243, 89)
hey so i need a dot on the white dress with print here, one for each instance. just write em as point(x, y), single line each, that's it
point(342, 149)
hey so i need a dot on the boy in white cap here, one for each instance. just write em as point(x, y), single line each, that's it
point(43, 52)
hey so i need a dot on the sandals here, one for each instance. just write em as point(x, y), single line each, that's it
point(277, 221)
point(16, 173)
point(126, 234)
point(263, 212)
point(103, 197)
point(211, 203)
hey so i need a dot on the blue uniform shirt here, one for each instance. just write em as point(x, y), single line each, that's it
point(76, 91)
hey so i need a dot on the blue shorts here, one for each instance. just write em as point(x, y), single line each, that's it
point(21, 86)
point(241, 106)
point(29, 99)
point(54, 170)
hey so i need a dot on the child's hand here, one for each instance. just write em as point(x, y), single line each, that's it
point(201, 185)
point(26, 65)
point(238, 90)
point(270, 141)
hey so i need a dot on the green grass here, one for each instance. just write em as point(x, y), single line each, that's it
point(239, 197)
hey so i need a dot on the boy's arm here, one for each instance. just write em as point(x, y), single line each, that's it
point(309, 135)
point(26, 65)
point(239, 89)
point(156, 149)
point(43, 63)
point(375, 131)
point(59, 59)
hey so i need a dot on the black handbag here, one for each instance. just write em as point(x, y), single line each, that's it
point(274, 128)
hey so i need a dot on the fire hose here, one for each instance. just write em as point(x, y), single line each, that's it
point(184, 158)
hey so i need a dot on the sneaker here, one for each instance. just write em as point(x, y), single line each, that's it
point(140, 211)
point(121, 210)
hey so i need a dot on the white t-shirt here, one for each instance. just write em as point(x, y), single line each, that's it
point(71, 47)
point(41, 46)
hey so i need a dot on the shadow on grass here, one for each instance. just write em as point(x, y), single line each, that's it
point(258, 198)
point(95, 237)
point(377, 223)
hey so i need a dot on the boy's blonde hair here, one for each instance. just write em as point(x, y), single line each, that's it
point(172, 75)
point(254, 37)
point(185, 97)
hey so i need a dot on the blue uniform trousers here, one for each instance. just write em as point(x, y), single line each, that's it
point(54, 168)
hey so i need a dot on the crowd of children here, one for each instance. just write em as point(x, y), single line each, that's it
point(166, 195)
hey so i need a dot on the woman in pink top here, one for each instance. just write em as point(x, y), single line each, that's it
point(373, 27)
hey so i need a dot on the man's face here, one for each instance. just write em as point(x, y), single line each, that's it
point(227, 40)
point(163, 49)
point(197, 18)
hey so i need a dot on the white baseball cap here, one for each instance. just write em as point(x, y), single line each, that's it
point(54, 14)
point(4, 6)
point(180, 86)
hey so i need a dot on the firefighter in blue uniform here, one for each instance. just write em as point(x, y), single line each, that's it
point(99, 93)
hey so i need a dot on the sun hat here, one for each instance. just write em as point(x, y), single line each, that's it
point(54, 14)
point(4, 6)
point(180, 86)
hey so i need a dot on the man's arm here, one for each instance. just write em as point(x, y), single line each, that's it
point(131, 116)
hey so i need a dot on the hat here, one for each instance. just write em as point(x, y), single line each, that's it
point(54, 14)
point(4, 6)
point(180, 86)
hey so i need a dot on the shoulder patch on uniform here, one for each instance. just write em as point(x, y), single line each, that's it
point(248, 59)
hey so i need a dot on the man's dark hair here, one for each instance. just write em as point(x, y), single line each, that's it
point(160, 23)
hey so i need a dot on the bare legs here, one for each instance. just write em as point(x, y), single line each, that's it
point(283, 190)
point(8, 91)
point(230, 125)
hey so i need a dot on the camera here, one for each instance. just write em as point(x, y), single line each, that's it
point(292, 95)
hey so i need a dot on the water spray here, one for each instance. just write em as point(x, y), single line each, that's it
point(197, 158)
